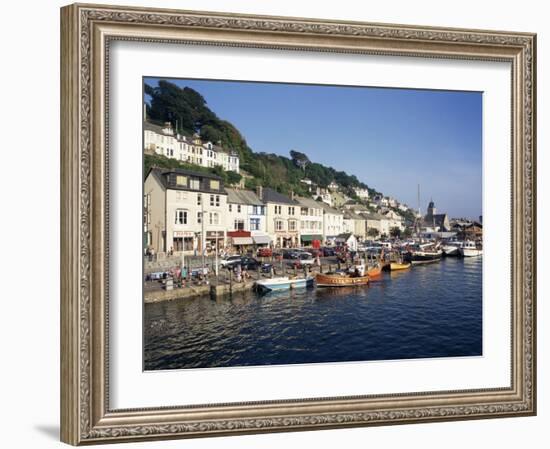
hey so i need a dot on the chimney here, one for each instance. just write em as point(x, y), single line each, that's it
point(292, 195)
point(260, 192)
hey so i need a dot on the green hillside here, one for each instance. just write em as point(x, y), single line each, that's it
point(188, 112)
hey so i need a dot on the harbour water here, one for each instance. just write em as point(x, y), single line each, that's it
point(432, 310)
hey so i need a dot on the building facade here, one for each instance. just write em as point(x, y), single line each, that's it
point(191, 149)
point(247, 213)
point(282, 218)
point(186, 211)
point(333, 223)
point(311, 221)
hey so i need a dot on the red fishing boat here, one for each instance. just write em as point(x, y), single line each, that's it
point(340, 280)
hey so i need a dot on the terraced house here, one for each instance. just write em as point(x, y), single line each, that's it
point(311, 221)
point(192, 149)
point(282, 218)
point(184, 211)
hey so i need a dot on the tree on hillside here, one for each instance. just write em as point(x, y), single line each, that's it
point(299, 159)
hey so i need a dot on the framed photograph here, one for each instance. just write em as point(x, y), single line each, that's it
point(278, 224)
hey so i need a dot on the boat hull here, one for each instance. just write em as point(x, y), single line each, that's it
point(421, 257)
point(336, 280)
point(399, 266)
point(470, 252)
point(269, 285)
point(374, 272)
point(451, 251)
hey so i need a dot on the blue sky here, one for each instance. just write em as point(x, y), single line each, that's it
point(391, 139)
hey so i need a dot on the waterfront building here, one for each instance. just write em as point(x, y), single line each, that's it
point(186, 211)
point(191, 149)
point(355, 224)
point(311, 220)
point(282, 217)
point(246, 218)
point(378, 222)
point(333, 223)
point(394, 219)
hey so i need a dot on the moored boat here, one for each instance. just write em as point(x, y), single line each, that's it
point(340, 280)
point(395, 266)
point(423, 254)
point(374, 271)
point(283, 283)
point(452, 248)
point(469, 249)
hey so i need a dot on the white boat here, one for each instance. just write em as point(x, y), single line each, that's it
point(283, 283)
point(452, 248)
point(469, 249)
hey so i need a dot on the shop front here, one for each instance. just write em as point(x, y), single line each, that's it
point(215, 239)
point(241, 241)
point(183, 241)
point(313, 240)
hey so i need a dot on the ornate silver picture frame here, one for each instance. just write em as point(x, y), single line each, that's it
point(87, 32)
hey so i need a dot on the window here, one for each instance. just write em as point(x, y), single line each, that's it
point(181, 180)
point(279, 225)
point(199, 199)
point(199, 217)
point(278, 209)
point(254, 224)
point(292, 225)
point(303, 211)
point(230, 208)
point(214, 218)
point(181, 216)
point(212, 199)
point(218, 201)
point(239, 208)
point(239, 225)
point(195, 184)
point(291, 210)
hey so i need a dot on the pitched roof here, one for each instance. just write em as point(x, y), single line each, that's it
point(272, 196)
point(308, 202)
point(328, 209)
point(167, 177)
point(238, 196)
point(352, 215)
point(437, 219)
point(373, 216)
point(148, 126)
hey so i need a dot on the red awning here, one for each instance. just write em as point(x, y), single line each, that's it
point(238, 234)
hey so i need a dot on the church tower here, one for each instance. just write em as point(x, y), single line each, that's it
point(431, 208)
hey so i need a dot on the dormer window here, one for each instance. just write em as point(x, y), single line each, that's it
point(181, 180)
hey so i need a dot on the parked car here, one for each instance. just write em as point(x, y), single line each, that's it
point(290, 254)
point(229, 260)
point(327, 251)
point(313, 251)
point(303, 258)
point(265, 252)
point(245, 262)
